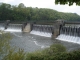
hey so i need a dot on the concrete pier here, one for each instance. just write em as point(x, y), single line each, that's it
point(57, 25)
point(27, 28)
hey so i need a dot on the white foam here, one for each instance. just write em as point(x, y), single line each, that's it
point(42, 46)
point(1, 28)
point(45, 34)
point(13, 30)
point(69, 38)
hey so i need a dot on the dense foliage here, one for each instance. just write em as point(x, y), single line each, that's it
point(55, 52)
point(21, 13)
point(70, 2)
point(58, 56)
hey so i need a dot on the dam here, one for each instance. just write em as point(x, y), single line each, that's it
point(64, 31)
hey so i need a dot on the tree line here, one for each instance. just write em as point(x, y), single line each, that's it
point(21, 13)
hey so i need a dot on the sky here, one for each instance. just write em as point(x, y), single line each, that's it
point(45, 4)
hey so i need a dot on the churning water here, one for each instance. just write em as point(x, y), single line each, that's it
point(45, 34)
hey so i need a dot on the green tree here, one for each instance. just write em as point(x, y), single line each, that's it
point(69, 2)
point(21, 5)
point(21, 13)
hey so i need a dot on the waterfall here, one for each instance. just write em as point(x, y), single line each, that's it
point(14, 28)
point(1, 26)
point(70, 34)
point(42, 30)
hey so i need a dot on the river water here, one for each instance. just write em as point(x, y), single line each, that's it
point(30, 42)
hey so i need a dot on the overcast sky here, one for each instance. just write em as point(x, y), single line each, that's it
point(45, 4)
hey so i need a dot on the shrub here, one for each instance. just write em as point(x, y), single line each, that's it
point(6, 51)
point(55, 48)
point(75, 55)
point(4, 43)
point(47, 53)
point(18, 55)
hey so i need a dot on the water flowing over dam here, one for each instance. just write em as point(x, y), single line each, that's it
point(70, 34)
point(11, 27)
point(14, 28)
point(42, 30)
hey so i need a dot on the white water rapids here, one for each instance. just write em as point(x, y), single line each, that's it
point(69, 38)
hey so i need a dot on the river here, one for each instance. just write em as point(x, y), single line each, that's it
point(30, 42)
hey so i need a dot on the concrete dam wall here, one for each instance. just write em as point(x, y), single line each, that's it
point(58, 30)
point(50, 30)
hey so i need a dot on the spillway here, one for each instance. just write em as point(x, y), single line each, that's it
point(42, 30)
point(70, 34)
point(14, 28)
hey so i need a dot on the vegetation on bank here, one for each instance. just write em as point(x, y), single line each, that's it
point(54, 52)
point(21, 13)
point(6, 51)
point(4, 44)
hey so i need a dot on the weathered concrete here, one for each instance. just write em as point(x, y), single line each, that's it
point(55, 31)
point(57, 25)
point(27, 28)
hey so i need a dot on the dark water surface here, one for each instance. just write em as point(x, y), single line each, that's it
point(31, 43)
